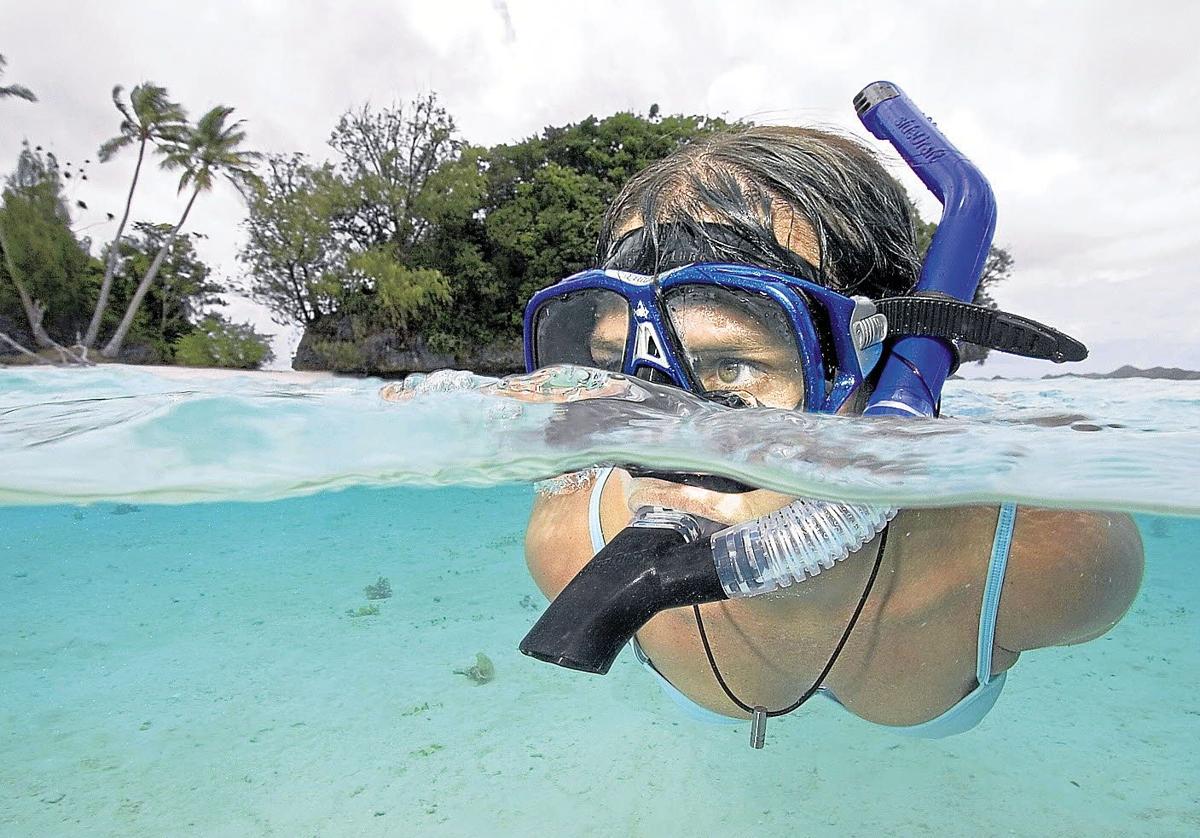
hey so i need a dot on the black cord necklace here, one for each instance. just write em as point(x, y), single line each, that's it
point(760, 714)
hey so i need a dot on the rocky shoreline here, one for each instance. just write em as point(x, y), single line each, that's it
point(388, 354)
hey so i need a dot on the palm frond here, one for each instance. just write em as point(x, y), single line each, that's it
point(17, 91)
point(185, 179)
point(210, 149)
point(111, 146)
point(127, 120)
point(148, 115)
point(154, 107)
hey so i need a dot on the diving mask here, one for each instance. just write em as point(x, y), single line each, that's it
point(774, 340)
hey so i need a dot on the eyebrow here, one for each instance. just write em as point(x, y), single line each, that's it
point(743, 348)
point(739, 335)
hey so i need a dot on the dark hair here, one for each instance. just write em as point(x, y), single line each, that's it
point(860, 216)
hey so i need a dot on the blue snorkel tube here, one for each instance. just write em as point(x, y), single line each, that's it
point(910, 383)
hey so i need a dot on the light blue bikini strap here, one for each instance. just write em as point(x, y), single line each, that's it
point(594, 528)
point(992, 589)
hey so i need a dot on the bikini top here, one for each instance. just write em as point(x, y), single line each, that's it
point(963, 716)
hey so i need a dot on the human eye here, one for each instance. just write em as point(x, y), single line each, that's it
point(726, 372)
point(736, 372)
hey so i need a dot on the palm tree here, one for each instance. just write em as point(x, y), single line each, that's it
point(18, 91)
point(209, 150)
point(150, 117)
point(33, 310)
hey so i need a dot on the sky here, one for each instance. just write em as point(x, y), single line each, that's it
point(1079, 113)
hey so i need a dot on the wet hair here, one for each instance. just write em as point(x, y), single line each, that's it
point(743, 180)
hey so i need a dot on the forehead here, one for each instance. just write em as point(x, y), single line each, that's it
point(714, 314)
point(792, 230)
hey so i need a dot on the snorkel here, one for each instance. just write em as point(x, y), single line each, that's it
point(910, 383)
point(666, 559)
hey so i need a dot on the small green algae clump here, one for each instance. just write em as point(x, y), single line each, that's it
point(483, 670)
point(382, 589)
point(363, 611)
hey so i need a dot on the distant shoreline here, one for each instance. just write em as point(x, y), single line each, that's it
point(1126, 371)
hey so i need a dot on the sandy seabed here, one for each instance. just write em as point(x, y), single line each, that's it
point(193, 671)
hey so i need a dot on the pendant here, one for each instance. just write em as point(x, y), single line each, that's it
point(758, 728)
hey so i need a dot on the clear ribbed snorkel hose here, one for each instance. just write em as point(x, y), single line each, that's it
point(792, 544)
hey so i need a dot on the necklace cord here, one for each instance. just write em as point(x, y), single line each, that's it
point(811, 691)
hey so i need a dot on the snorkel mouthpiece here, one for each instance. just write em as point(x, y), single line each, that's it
point(658, 562)
point(664, 559)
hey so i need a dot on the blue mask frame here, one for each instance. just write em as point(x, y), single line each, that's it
point(828, 382)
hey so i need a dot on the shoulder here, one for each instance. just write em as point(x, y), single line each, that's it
point(1071, 576)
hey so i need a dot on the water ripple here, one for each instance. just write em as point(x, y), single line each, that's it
point(116, 433)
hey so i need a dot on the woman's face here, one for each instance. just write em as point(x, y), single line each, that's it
point(732, 341)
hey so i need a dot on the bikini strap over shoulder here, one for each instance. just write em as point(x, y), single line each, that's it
point(992, 589)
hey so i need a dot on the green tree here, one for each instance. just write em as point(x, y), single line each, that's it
point(353, 238)
point(217, 342)
point(150, 117)
point(47, 267)
point(539, 214)
point(297, 262)
point(14, 91)
point(388, 158)
point(399, 292)
point(173, 302)
point(612, 149)
point(548, 229)
point(210, 150)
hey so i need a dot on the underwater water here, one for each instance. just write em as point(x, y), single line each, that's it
point(203, 668)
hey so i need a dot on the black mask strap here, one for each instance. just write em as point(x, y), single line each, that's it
point(934, 315)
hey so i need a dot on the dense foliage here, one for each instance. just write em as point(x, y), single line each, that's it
point(44, 258)
point(216, 342)
point(175, 302)
point(45, 267)
point(413, 231)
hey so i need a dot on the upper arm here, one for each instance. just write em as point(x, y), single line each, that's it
point(1071, 577)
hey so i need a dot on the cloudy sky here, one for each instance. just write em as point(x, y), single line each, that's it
point(1080, 113)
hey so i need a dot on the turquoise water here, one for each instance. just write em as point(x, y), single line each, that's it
point(191, 669)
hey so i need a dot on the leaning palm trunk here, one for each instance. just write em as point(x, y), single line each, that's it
point(114, 345)
point(34, 312)
point(110, 269)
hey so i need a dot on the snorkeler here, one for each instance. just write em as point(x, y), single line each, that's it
point(775, 267)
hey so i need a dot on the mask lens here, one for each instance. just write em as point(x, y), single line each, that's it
point(588, 328)
point(737, 341)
